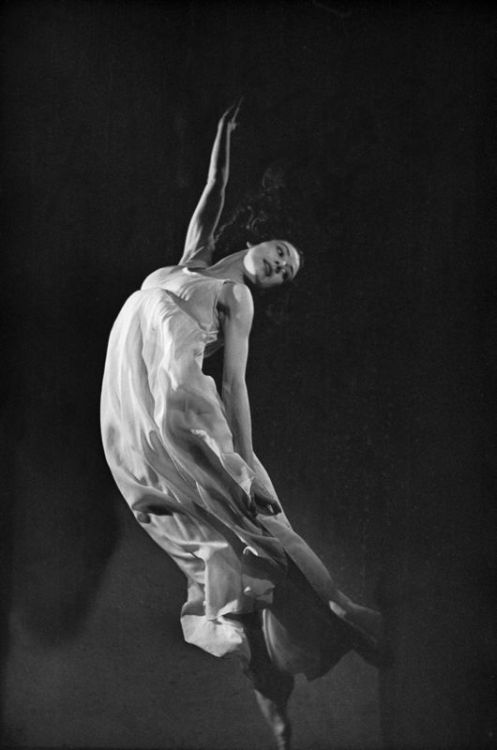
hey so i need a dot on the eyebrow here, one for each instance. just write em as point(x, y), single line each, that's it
point(284, 245)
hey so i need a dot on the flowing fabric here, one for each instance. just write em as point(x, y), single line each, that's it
point(170, 450)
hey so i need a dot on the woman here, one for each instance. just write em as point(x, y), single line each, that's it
point(182, 457)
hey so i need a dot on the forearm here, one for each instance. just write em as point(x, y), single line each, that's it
point(220, 156)
point(236, 401)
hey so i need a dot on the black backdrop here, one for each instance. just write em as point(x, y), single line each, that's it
point(372, 399)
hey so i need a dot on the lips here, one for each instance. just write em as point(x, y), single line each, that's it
point(267, 268)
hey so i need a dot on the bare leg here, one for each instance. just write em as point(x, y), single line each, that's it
point(272, 687)
point(274, 711)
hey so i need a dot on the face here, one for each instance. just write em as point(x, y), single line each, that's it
point(271, 263)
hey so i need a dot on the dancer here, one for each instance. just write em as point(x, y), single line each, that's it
point(182, 456)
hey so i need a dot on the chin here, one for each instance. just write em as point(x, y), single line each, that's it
point(264, 286)
point(256, 284)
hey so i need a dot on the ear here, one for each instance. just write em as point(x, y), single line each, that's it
point(250, 244)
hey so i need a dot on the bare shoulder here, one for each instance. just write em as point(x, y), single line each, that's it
point(236, 301)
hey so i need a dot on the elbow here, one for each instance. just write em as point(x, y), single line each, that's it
point(233, 386)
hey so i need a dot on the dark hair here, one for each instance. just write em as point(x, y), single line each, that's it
point(264, 214)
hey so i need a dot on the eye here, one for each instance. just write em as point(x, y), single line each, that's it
point(280, 252)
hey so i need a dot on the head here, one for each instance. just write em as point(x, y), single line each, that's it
point(271, 263)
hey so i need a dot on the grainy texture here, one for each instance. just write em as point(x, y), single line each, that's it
point(375, 393)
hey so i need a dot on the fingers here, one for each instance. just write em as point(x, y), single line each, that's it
point(237, 106)
point(267, 505)
point(251, 507)
point(232, 113)
point(269, 510)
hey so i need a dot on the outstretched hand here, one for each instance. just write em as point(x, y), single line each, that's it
point(264, 501)
point(266, 505)
point(229, 118)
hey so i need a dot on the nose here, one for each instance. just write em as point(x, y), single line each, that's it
point(280, 264)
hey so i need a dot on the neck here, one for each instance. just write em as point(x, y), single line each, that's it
point(230, 267)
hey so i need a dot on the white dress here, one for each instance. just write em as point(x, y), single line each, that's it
point(170, 450)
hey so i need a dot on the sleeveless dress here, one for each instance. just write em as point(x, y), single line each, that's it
point(170, 449)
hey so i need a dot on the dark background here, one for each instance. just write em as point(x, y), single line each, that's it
point(373, 398)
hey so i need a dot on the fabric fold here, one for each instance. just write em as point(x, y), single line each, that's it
point(171, 452)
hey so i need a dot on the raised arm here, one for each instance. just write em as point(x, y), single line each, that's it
point(199, 243)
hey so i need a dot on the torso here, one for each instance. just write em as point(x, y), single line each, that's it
point(201, 292)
